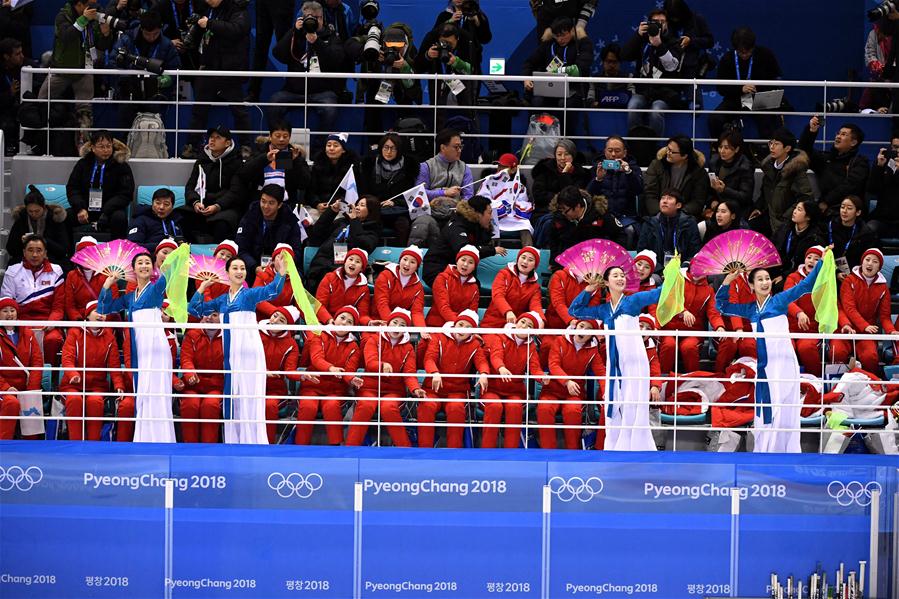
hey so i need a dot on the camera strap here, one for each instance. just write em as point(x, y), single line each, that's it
point(737, 66)
point(190, 12)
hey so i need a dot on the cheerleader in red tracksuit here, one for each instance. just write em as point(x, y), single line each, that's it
point(20, 366)
point(82, 285)
point(570, 358)
point(285, 298)
point(865, 302)
point(516, 290)
point(282, 356)
point(202, 349)
point(224, 251)
point(645, 265)
point(335, 352)
point(513, 354)
point(699, 312)
point(744, 347)
point(388, 353)
point(455, 289)
point(452, 353)
point(563, 287)
point(85, 390)
point(399, 287)
point(346, 286)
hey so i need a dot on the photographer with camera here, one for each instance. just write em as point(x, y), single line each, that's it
point(179, 24)
point(224, 47)
point(128, 12)
point(841, 171)
point(145, 47)
point(659, 54)
point(310, 47)
point(467, 14)
point(547, 11)
point(886, 17)
point(11, 60)
point(80, 37)
point(447, 53)
point(884, 183)
point(566, 53)
point(339, 18)
point(276, 161)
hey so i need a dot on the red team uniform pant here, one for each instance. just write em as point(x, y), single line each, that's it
point(688, 361)
point(493, 415)
point(86, 404)
point(331, 412)
point(572, 410)
point(9, 406)
point(205, 403)
point(728, 350)
point(455, 414)
point(366, 405)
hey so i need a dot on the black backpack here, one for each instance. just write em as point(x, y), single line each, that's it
point(419, 147)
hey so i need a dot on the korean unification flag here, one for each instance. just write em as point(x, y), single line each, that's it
point(305, 221)
point(348, 185)
point(417, 201)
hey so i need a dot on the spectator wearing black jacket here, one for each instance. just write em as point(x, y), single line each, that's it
point(849, 234)
point(225, 47)
point(303, 52)
point(174, 26)
point(671, 230)
point(470, 18)
point(693, 33)
point(884, 183)
point(450, 92)
point(471, 223)
point(359, 227)
point(547, 11)
point(564, 54)
point(621, 186)
point(744, 63)
point(151, 224)
point(734, 173)
point(795, 237)
point(681, 166)
point(277, 161)
point(101, 186)
point(11, 60)
point(385, 175)
point(268, 222)
point(214, 197)
point(328, 169)
point(842, 170)
point(580, 216)
point(550, 175)
point(36, 217)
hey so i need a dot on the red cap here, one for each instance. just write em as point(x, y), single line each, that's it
point(401, 313)
point(815, 249)
point(534, 317)
point(470, 251)
point(469, 316)
point(529, 249)
point(351, 310)
point(90, 307)
point(168, 242)
point(414, 251)
point(8, 302)
point(873, 252)
point(227, 244)
point(290, 313)
point(359, 253)
point(647, 256)
point(283, 247)
point(649, 319)
point(508, 160)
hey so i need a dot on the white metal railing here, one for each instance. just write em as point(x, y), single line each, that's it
point(593, 404)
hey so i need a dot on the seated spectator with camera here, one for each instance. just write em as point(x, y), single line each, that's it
point(620, 180)
point(151, 224)
point(842, 170)
point(179, 24)
point(276, 161)
point(310, 47)
point(214, 196)
point(883, 182)
point(445, 51)
point(100, 187)
point(471, 19)
point(565, 54)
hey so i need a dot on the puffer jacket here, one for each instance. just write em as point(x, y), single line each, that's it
point(222, 186)
point(326, 176)
point(54, 233)
point(695, 185)
point(118, 181)
point(782, 188)
point(597, 223)
point(462, 229)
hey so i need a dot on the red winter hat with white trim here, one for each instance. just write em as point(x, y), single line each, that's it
point(90, 307)
point(85, 242)
point(351, 310)
point(414, 251)
point(283, 247)
point(469, 316)
point(401, 313)
point(648, 256)
point(529, 249)
point(534, 317)
point(168, 242)
point(359, 253)
point(873, 252)
point(227, 244)
point(470, 251)
point(290, 313)
point(8, 302)
point(815, 249)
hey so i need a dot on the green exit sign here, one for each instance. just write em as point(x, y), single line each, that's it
point(497, 66)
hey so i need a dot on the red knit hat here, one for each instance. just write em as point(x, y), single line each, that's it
point(8, 302)
point(402, 313)
point(290, 313)
point(283, 247)
point(414, 251)
point(351, 310)
point(469, 316)
point(470, 251)
point(534, 317)
point(90, 307)
point(647, 256)
point(85, 242)
point(815, 249)
point(529, 249)
point(873, 252)
point(168, 242)
point(648, 319)
point(359, 253)
point(227, 244)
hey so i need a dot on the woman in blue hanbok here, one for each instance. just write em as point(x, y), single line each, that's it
point(244, 394)
point(778, 402)
point(150, 351)
point(627, 398)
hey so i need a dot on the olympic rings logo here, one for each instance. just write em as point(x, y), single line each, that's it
point(575, 488)
point(23, 479)
point(853, 492)
point(288, 485)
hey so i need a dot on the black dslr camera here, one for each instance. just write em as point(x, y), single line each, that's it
point(470, 8)
point(192, 34)
point(653, 28)
point(310, 24)
point(126, 60)
point(444, 51)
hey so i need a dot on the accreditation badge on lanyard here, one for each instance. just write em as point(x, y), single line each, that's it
point(95, 194)
point(314, 66)
point(455, 86)
point(385, 91)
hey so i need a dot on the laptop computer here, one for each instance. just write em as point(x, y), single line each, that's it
point(767, 100)
point(551, 87)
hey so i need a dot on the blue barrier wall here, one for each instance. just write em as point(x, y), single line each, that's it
point(89, 520)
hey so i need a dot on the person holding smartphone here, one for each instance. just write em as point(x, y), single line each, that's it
point(619, 178)
point(277, 161)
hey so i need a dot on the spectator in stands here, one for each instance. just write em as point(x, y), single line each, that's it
point(202, 350)
point(36, 284)
point(622, 186)
point(346, 285)
point(83, 285)
point(678, 165)
point(610, 95)
point(471, 19)
point(802, 320)
point(266, 309)
point(304, 52)
point(849, 235)
point(445, 50)
point(214, 197)
point(79, 40)
point(339, 17)
point(268, 222)
point(11, 60)
point(20, 349)
point(659, 57)
point(581, 216)
point(547, 11)
point(878, 53)
point(151, 224)
point(842, 170)
point(224, 47)
point(802, 232)
point(146, 41)
point(398, 286)
point(694, 36)
point(551, 175)
point(734, 173)
point(101, 186)
point(745, 63)
point(699, 314)
point(726, 218)
point(670, 230)
point(277, 161)
point(385, 175)
point(36, 217)
point(174, 16)
point(447, 180)
point(884, 183)
point(272, 20)
point(515, 290)
point(128, 11)
point(456, 288)
point(784, 182)
point(329, 167)
point(282, 354)
point(565, 54)
point(359, 227)
point(471, 224)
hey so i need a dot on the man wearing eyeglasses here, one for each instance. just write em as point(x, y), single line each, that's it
point(884, 182)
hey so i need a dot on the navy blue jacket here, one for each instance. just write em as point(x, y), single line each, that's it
point(163, 49)
point(255, 238)
point(622, 190)
point(147, 229)
point(686, 237)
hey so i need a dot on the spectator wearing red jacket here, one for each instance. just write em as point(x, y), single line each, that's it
point(266, 275)
point(83, 285)
point(865, 301)
point(282, 356)
point(391, 354)
point(20, 366)
point(563, 287)
point(399, 287)
point(85, 389)
point(336, 352)
point(455, 352)
point(744, 347)
point(346, 285)
point(516, 290)
point(645, 265)
point(513, 357)
point(455, 289)
point(570, 357)
point(224, 251)
point(699, 312)
point(202, 349)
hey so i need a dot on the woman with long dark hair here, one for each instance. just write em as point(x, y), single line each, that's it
point(385, 175)
point(797, 236)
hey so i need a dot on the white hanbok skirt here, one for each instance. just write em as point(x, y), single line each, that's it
point(152, 360)
point(628, 427)
point(247, 382)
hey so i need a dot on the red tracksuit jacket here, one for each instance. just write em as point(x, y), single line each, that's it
point(282, 354)
point(390, 294)
point(333, 294)
point(451, 294)
point(378, 350)
point(79, 291)
point(199, 352)
point(519, 357)
point(740, 293)
point(326, 350)
point(568, 361)
point(865, 305)
point(447, 356)
point(700, 301)
point(28, 352)
point(83, 349)
point(803, 304)
point(563, 288)
point(215, 290)
point(509, 294)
